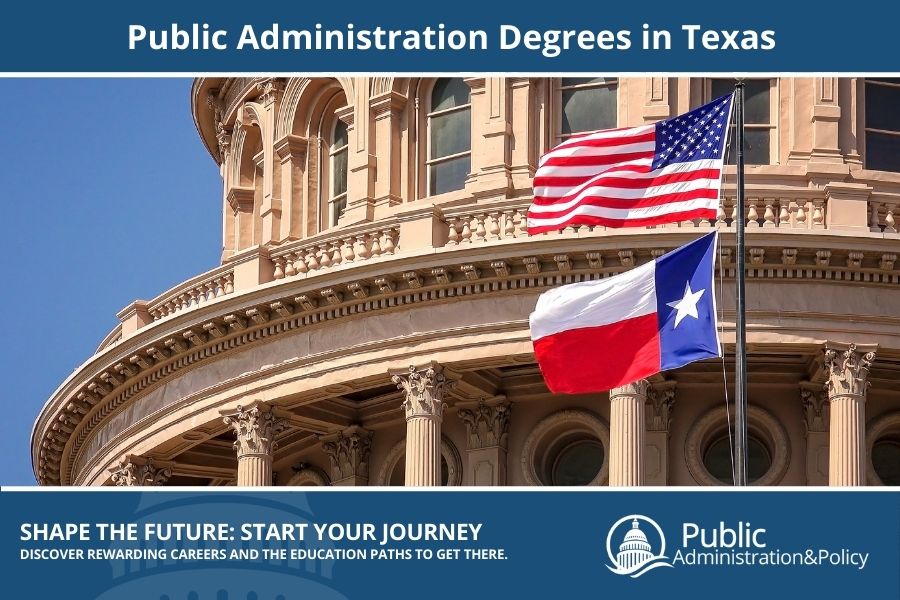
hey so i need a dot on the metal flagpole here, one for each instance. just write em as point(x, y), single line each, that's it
point(740, 378)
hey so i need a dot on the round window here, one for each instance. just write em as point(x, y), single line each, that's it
point(886, 461)
point(717, 459)
point(578, 463)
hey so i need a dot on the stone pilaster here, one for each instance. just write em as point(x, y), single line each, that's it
point(255, 428)
point(626, 433)
point(815, 422)
point(424, 407)
point(847, 368)
point(660, 399)
point(487, 426)
point(490, 176)
point(140, 471)
point(349, 453)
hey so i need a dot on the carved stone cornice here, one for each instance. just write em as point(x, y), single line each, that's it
point(349, 452)
point(816, 408)
point(256, 428)
point(424, 391)
point(847, 369)
point(660, 399)
point(139, 471)
point(487, 423)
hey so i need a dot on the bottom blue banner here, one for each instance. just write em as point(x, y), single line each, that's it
point(331, 544)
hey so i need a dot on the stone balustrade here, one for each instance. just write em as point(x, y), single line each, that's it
point(333, 248)
point(192, 293)
point(767, 207)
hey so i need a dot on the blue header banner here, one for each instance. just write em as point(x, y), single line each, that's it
point(462, 36)
point(329, 544)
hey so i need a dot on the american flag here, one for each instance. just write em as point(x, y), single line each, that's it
point(666, 172)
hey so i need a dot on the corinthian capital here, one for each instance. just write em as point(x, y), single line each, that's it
point(270, 90)
point(659, 406)
point(223, 137)
point(639, 388)
point(424, 389)
point(487, 424)
point(815, 408)
point(847, 369)
point(349, 452)
point(139, 471)
point(255, 427)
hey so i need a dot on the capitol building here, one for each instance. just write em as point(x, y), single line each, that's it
point(368, 322)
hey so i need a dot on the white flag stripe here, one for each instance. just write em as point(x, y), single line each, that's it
point(595, 303)
point(626, 193)
point(626, 213)
point(599, 151)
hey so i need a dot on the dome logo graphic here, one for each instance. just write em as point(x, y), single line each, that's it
point(635, 554)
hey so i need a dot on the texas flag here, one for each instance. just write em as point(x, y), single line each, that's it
point(596, 335)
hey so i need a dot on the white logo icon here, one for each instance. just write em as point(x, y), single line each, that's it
point(635, 556)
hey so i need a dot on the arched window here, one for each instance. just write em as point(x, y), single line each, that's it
point(586, 104)
point(882, 124)
point(449, 136)
point(337, 151)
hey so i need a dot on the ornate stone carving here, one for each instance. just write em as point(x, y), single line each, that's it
point(815, 409)
point(847, 371)
point(223, 138)
point(349, 452)
point(424, 391)
point(139, 471)
point(270, 90)
point(638, 388)
point(255, 428)
point(659, 407)
point(487, 425)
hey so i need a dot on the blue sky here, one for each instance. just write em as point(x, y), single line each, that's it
point(108, 195)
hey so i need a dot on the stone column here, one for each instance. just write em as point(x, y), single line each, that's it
point(626, 433)
point(487, 425)
point(424, 407)
point(349, 454)
point(255, 427)
point(847, 368)
point(656, 445)
point(140, 471)
point(815, 421)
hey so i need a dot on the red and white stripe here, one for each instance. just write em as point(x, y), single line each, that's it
point(606, 178)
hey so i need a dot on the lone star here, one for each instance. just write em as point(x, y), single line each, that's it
point(687, 305)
